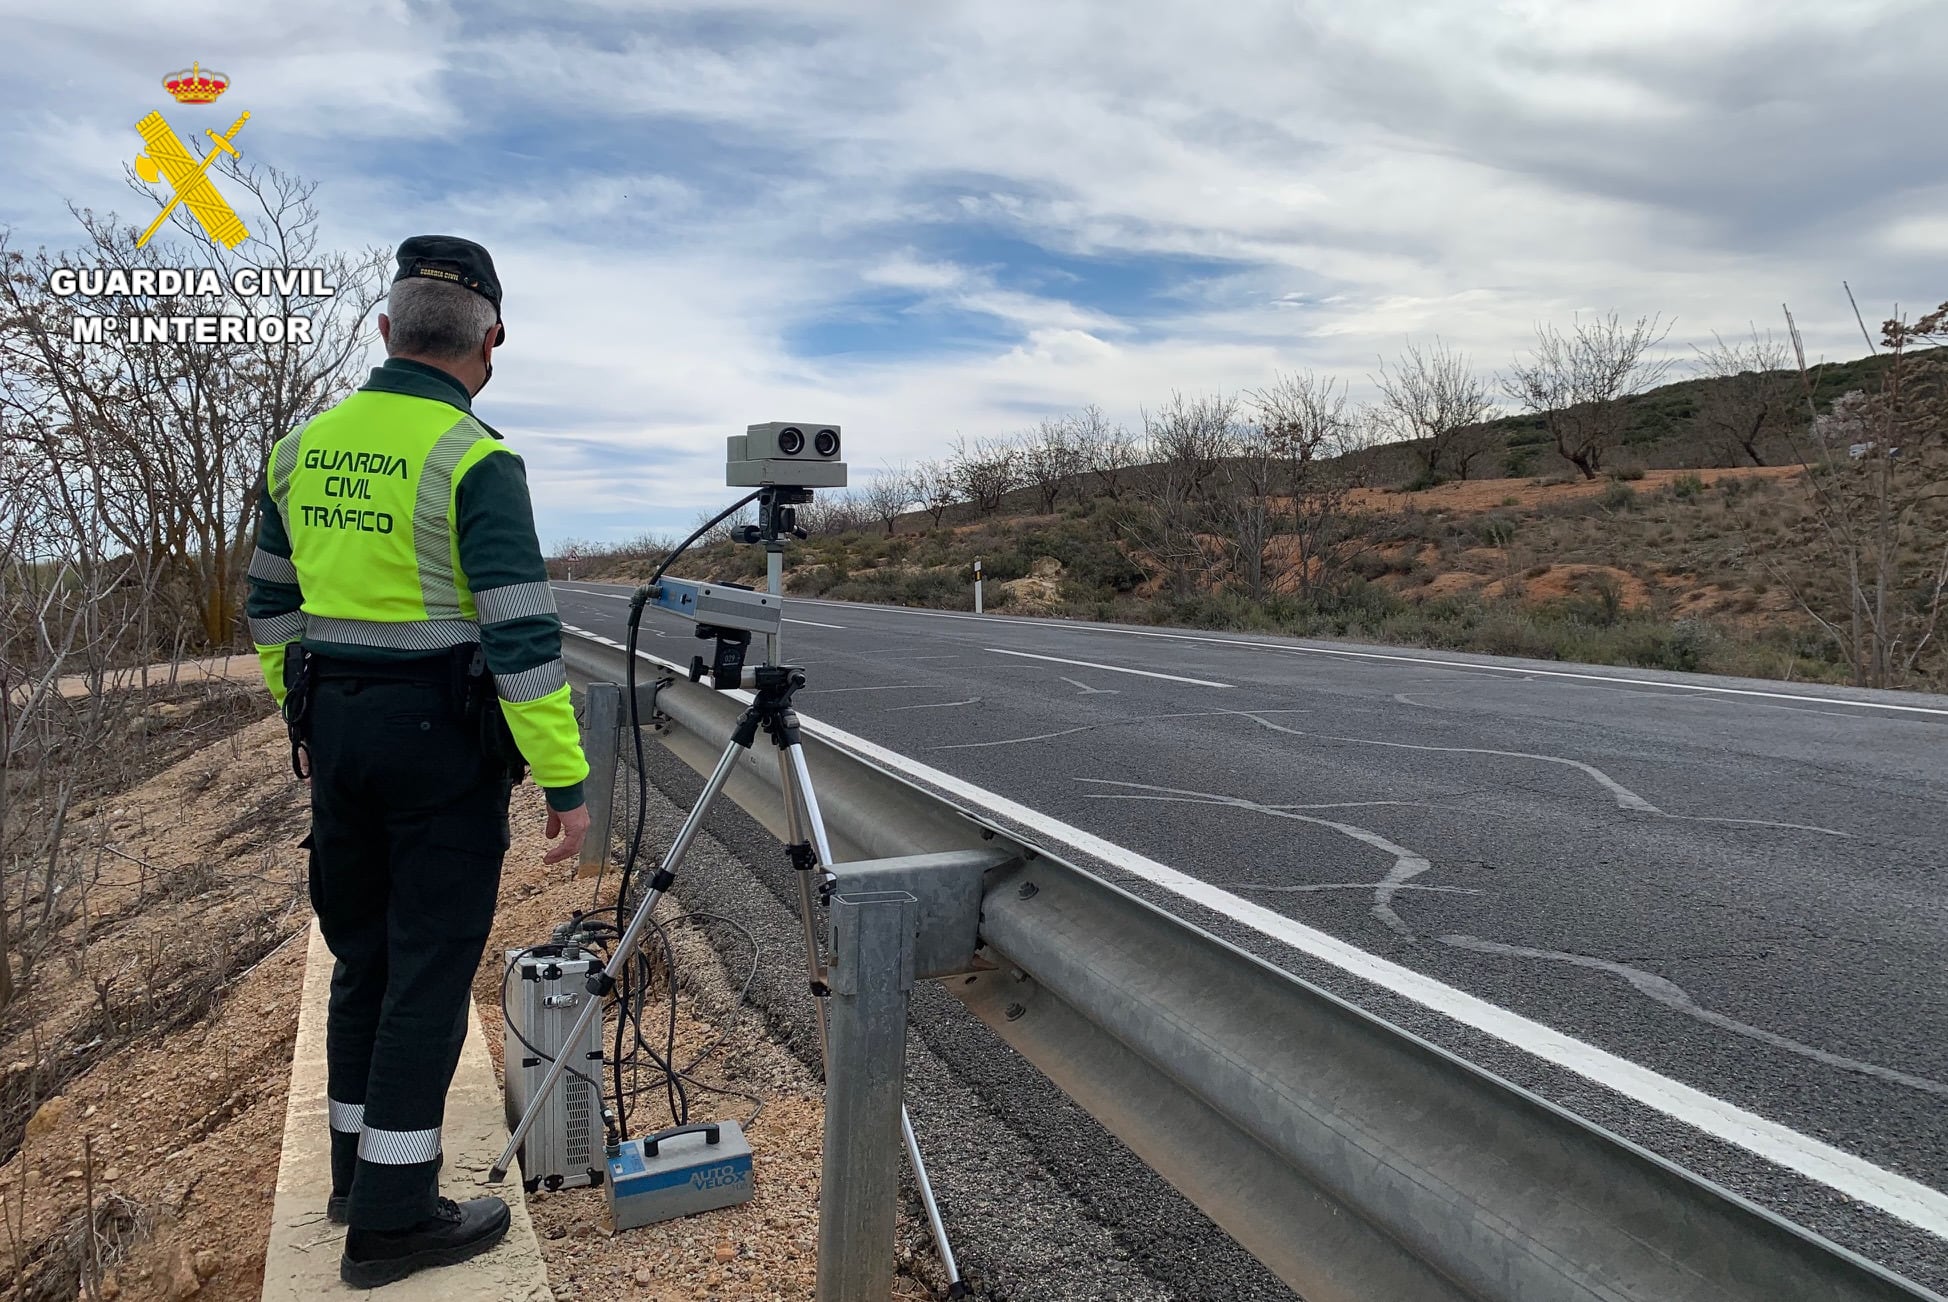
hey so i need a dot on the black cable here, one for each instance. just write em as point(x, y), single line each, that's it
point(678, 1106)
point(636, 603)
point(634, 980)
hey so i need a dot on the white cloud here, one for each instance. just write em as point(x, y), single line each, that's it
point(713, 179)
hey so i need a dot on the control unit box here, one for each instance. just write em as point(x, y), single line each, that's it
point(679, 1172)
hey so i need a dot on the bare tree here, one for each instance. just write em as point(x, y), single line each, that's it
point(1192, 434)
point(1581, 383)
point(1110, 452)
point(1318, 445)
point(79, 624)
point(176, 433)
point(1177, 505)
point(935, 485)
point(130, 473)
point(725, 531)
point(1245, 500)
point(1432, 398)
point(1053, 458)
point(986, 471)
point(832, 511)
point(1166, 520)
point(1751, 394)
point(887, 495)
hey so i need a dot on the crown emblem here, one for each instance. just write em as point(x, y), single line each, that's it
point(194, 86)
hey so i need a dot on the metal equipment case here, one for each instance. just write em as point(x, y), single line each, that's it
point(545, 992)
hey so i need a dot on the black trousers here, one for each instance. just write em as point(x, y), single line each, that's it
point(408, 830)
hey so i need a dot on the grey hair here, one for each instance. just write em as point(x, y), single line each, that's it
point(431, 318)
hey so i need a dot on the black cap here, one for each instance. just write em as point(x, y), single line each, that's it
point(456, 261)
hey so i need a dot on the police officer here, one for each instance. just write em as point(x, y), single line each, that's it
point(402, 613)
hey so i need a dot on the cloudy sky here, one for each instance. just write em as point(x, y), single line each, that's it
point(921, 219)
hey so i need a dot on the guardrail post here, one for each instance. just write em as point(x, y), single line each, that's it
point(870, 975)
point(601, 738)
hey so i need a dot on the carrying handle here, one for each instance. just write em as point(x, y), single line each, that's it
point(708, 1129)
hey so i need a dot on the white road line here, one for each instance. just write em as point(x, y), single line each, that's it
point(814, 623)
point(1897, 1195)
point(1065, 626)
point(584, 592)
point(1111, 669)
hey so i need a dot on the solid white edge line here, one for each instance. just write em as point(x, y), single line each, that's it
point(1897, 1195)
point(815, 624)
point(1113, 669)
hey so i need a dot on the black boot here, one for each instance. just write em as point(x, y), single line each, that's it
point(452, 1234)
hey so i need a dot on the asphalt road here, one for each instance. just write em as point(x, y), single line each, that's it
point(1738, 885)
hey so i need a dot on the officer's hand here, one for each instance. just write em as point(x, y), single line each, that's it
point(571, 826)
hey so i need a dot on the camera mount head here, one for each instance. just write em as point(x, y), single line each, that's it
point(777, 517)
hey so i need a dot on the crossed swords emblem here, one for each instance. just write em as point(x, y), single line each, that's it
point(166, 156)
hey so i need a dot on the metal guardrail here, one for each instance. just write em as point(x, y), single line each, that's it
point(1357, 1161)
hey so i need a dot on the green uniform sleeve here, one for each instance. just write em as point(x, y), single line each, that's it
point(519, 630)
point(275, 604)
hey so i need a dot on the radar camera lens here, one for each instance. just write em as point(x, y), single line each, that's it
point(826, 442)
point(791, 440)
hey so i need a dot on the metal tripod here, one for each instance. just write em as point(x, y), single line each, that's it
point(770, 711)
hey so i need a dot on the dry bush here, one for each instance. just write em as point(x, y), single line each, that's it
point(129, 481)
point(1876, 486)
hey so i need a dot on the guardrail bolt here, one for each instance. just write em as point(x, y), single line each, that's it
point(1015, 1011)
point(1028, 891)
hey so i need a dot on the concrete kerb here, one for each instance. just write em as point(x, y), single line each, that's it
point(301, 1262)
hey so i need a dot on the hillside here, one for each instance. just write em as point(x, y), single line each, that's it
point(1684, 556)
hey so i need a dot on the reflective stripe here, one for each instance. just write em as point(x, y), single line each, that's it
point(432, 525)
point(284, 459)
point(515, 601)
point(407, 635)
point(346, 1118)
point(272, 568)
point(276, 630)
point(398, 1147)
point(531, 684)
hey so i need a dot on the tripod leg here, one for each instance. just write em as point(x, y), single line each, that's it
point(815, 821)
point(807, 909)
point(800, 774)
point(926, 1197)
point(625, 950)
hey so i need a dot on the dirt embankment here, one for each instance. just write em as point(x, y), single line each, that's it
point(180, 985)
point(155, 1034)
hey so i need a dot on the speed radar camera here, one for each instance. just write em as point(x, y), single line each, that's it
point(794, 454)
